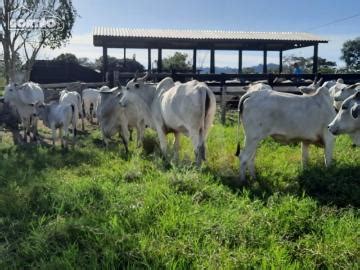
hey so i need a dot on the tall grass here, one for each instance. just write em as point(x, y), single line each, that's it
point(95, 208)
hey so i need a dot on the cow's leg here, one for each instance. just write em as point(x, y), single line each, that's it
point(176, 146)
point(329, 146)
point(82, 122)
point(26, 127)
point(198, 144)
point(251, 166)
point(162, 140)
point(131, 134)
point(304, 154)
point(140, 133)
point(124, 135)
point(53, 131)
point(246, 155)
point(61, 135)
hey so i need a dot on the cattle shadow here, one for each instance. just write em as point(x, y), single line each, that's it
point(19, 163)
point(334, 186)
point(339, 186)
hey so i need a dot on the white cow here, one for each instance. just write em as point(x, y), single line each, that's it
point(348, 118)
point(334, 90)
point(340, 97)
point(57, 116)
point(329, 84)
point(287, 118)
point(187, 108)
point(256, 86)
point(74, 98)
point(90, 99)
point(23, 98)
point(114, 118)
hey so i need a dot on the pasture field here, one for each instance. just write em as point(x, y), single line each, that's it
point(95, 208)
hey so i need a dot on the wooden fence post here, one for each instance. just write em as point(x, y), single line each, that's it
point(223, 89)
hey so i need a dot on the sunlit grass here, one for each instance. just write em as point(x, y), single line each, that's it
point(92, 207)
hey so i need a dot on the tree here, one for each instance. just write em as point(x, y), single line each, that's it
point(351, 54)
point(114, 63)
point(67, 57)
point(29, 25)
point(177, 62)
point(324, 65)
point(86, 62)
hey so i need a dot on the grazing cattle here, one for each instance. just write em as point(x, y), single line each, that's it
point(257, 86)
point(10, 120)
point(90, 99)
point(187, 108)
point(329, 84)
point(23, 98)
point(310, 89)
point(339, 98)
point(57, 116)
point(348, 119)
point(287, 118)
point(334, 90)
point(114, 118)
point(346, 92)
point(74, 98)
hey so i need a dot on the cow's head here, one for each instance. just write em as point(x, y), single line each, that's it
point(311, 89)
point(40, 110)
point(347, 120)
point(10, 92)
point(136, 83)
point(345, 92)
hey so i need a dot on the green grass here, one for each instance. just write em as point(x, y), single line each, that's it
point(94, 208)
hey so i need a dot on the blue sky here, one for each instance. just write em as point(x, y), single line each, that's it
point(241, 15)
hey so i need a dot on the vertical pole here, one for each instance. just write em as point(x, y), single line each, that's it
point(194, 62)
point(280, 61)
point(265, 62)
point(240, 62)
point(315, 59)
point(124, 57)
point(149, 59)
point(223, 102)
point(105, 63)
point(212, 61)
point(159, 63)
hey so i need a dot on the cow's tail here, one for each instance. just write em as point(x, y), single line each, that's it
point(240, 111)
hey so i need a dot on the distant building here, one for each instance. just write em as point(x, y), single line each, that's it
point(50, 71)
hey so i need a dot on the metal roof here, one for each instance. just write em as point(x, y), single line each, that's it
point(116, 37)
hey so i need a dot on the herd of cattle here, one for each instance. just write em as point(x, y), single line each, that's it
point(322, 111)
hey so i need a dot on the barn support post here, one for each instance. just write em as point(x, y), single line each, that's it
point(315, 59)
point(194, 61)
point(124, 57)
point(149, 59)
point(223, 90)
point(105, 63)
point(280, 61)
point(159, 63)
point(116, 77)
point(265, 62)
point(240, 62)
point(212, 61)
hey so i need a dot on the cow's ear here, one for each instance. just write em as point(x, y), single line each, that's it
point(137, 85)
point(355, 111)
